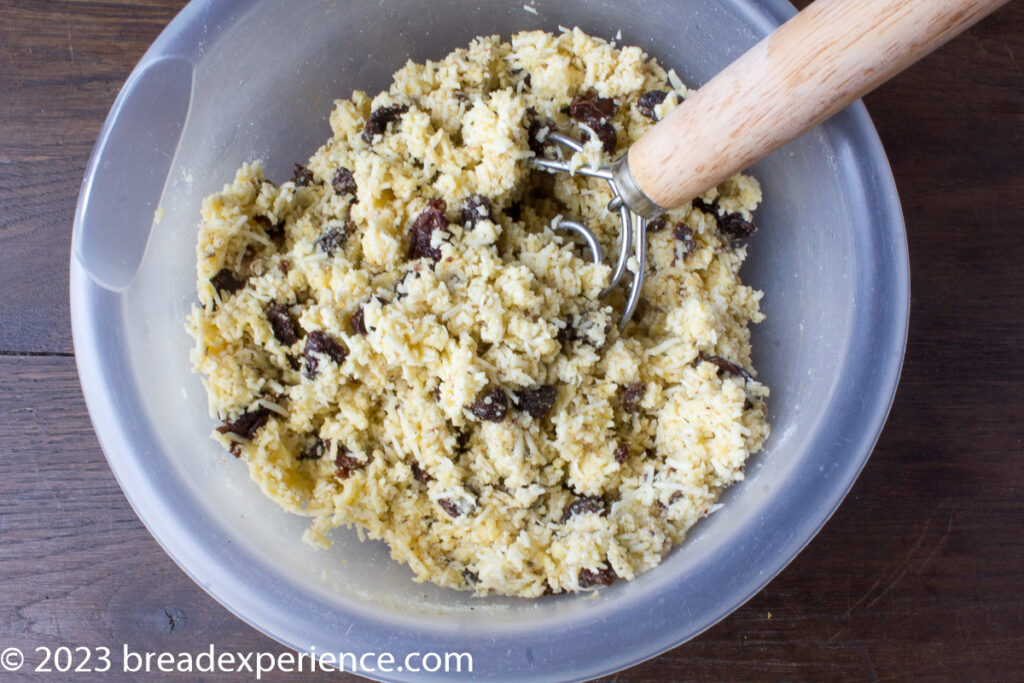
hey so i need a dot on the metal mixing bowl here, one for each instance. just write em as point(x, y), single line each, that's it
point(228, 82)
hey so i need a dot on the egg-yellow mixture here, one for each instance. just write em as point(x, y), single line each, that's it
point(397, 340)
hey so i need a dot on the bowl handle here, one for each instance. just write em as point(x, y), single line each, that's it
point(128, 170)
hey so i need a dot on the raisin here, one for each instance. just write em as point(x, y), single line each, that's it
point(235, 449)
point(633, 396)
point(433, 218)
point(282, 324)
point(592, 108)
point(567, 334)
point(594, 113)
point(728, 366)
point(302, 176)
point(379, 120)
point(582, 505)
point(537, 402)
point(704, 206)
point(471, 577)
point(674, 497)
point(246, 424)
point(401, 281)
point(534, 127)
point(646, 103)
point(284, 266)
point(417, 472)
point(359, 322)
point(477, 207)
point(684, 234)
point(225, 281)
point(331, 241)
point(735, 227)
point(275, 231)
point(589, 578)
point(492, 406)
point(461, 440)
point(316, 449)
point(526, 80)
point(344, 464)
point(321, 343)
point(656, 225)
point(621, 452)
point(449, 506)
point(344, 182)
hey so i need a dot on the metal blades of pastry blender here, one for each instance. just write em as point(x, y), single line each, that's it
point(632, 233)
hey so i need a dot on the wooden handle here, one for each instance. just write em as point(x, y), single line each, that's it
point(820, 61)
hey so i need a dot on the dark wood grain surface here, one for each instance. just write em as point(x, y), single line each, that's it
point(920, 574)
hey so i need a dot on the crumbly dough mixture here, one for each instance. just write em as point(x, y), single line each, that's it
point(397, 340)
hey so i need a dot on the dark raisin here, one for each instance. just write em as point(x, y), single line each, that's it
point(567, 333)
point(437, 393)
point(433, 218)
point(646, 103)
point(728, 366)
point(359, 322)
point(704, 206)
point(470, 577)
point(331, 241)
point(316, 449)
point(477, 207)
point(656, 225)
point(246, 424)
point(345, 464)
point(684, 234)
point(526, 80)
point(595, 114)
point(344, 182)
point(621, 452)
point(282, 323)
point(449, 506)
point(592, 108)
point(275, 231)
point(284, 266)
point(633, 396)
point(380, 118)
point(417, 473)
point(537, 402)
point(321, 343)
point(461, 440)
point(225, 281)
point(582, 505)
point(735, 227)
point(589, 578)
point(674, 497)
point(302, 176)
point(492, 406)
point(235, 449)
point(534, 127)
point(399, 293)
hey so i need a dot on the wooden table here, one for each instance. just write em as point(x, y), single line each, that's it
point(919, 574)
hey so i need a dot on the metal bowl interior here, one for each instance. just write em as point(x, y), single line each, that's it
point(229, 82)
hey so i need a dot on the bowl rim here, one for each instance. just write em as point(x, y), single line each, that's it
point(102, 385)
